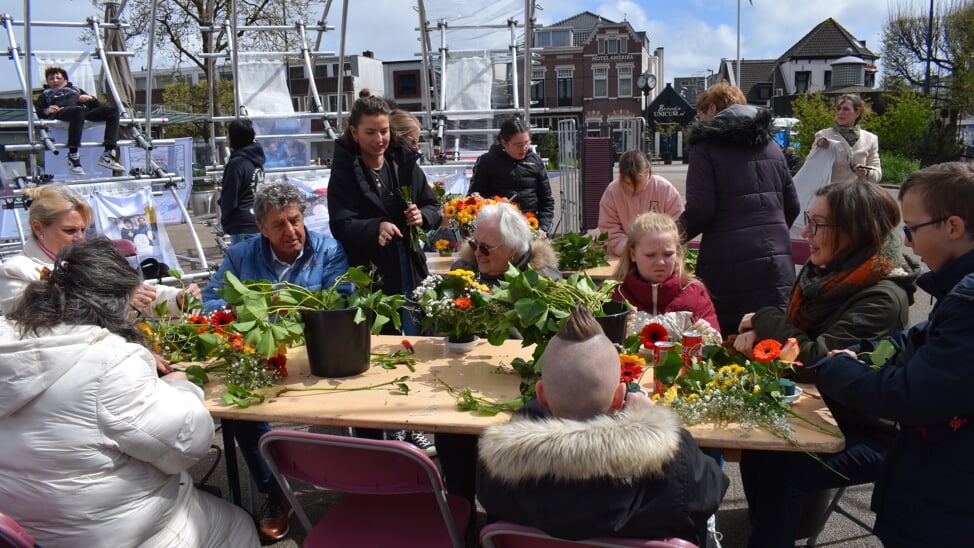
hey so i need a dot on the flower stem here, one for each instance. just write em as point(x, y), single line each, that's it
point(351, 389)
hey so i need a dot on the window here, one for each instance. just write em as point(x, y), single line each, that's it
point(561, 38)
point(321, 71)
point(296, 103)
point(333, 103)
point(593, 128)
point(612, 46)
point(406, 83)
point(764, 91)
point(600, 81)
point(624, 45)
point(537, 87)
point(601, 47)
point(542, 39)
point(565, 87)
point(625, 81)
point(828, 79)
point(802, 80)
point(295, 73)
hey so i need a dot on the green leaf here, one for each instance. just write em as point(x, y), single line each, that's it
point(197, 375)
point(883, 352)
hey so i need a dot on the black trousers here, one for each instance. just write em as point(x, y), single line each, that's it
point(76, 116)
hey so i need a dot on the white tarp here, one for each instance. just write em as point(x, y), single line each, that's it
point(469, 81)
point(815, 173)
point(76, 63)
point(262, 81)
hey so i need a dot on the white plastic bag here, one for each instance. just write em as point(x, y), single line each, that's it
point(815, 173)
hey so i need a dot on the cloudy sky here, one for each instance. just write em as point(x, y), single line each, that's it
point(695, 34)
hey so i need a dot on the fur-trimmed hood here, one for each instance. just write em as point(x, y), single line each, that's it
point(627, 447)
point(736, 124)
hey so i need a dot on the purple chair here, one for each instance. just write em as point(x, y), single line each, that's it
point(395, 495)
point(502, 534)
point(12, 535)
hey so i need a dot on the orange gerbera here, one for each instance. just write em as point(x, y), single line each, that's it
point(767, 350)
point(221, 318)
point(196, 318)
point(463, 303)
point(532, 221)
point(631, 367)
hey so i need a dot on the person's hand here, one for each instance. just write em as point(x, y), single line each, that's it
point(143, 296)
point(638, 399)
point(162, 364)
point(183, 297)
point(822, 142)
point(744, 343)
point(542, 235)
point(837, 352)
point(388, 231)
point(176, 376)
point(860, 171)
point(53, 109)
point(746, 323)
point(413, 216)
point(84, 98)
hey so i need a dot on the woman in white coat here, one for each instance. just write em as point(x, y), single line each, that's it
point(97, 446)
point(856, 150)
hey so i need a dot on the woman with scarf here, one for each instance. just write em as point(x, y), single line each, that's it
point(856, 286)
point(856, 150)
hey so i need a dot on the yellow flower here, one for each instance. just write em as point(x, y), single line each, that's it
point(757, 389)
point(450, 210)
point(671, 393)
point(442, 245)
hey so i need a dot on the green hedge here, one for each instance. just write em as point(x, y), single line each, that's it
point(896, 168)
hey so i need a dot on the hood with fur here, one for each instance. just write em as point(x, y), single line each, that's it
point(627, 447)
point(736, 124)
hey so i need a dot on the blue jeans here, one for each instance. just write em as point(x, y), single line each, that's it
point(237, 238)
point(248, 435)
point(776, 484)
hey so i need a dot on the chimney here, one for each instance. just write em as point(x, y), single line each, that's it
point(368, 53)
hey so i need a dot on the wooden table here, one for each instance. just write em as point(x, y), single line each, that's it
point(438, 264)
point(602, 273)
point(429, 406)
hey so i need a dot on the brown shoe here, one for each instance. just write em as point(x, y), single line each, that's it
point(274, 519)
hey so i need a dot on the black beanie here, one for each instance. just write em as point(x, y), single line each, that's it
point(240, 133)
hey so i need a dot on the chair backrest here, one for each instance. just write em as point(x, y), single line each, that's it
point(12, 535)
point(351, 465)
point(503, 534)
point(800, 250)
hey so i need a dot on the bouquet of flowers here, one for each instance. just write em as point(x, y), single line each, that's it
point(462, 211)
point(456, 302)
point(444, 247)
point(631, 370)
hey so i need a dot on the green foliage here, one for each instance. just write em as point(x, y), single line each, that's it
point(938, 144)
point(548, 147)
point(906, 112)
point(896, 168)
point(182, 97)
point(816, 111)
point(577, 252)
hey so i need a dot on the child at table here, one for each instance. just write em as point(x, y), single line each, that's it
point(653, 277)
point(922, 494)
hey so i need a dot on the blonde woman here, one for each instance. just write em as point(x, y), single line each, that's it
point(637, 190)
point(856, 150)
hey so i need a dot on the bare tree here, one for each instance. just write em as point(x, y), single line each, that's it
point(934, 54)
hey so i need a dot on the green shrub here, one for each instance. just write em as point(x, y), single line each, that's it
point(896, 168)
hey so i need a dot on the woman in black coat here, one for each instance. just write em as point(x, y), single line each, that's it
point(510, 169)
point(740, 196)
point(368, 214)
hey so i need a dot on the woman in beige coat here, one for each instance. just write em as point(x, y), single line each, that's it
point(856, 150)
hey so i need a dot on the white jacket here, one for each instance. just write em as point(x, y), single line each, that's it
point(20, 270)
point(96, 446)
point(865, 152)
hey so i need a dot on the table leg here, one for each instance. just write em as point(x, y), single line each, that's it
point(230, 458)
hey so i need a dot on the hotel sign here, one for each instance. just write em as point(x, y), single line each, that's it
point(620, 57)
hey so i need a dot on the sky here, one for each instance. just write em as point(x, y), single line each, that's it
point(695, 34)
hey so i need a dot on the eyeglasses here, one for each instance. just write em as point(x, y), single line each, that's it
point(525, 144)
point(484, 249)
point(814, 225)
point(909, 230)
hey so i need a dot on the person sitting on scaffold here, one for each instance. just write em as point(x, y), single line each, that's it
point(62, 100)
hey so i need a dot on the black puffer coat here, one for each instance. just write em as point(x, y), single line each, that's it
point(525, 182)
point(741, 198)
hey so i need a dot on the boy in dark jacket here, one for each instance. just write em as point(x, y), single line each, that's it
point(243, 172)
point(923, 497)
point(586, 459)
point(62, 100)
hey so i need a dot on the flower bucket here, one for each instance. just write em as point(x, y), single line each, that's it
point(461, 345)
point(336, 345)
point(615, 321)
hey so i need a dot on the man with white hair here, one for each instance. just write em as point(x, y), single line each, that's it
point(587, 459)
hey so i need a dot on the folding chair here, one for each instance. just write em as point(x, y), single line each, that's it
point(12, 535)
point(503, 534)
point(834, 507)
point(395, 495)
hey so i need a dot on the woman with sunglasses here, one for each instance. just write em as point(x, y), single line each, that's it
point(510, 169)
point(855, 286)
point(503, 238)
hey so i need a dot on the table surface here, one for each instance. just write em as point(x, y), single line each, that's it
point(438, 264)
point(601, 273)
point(429, 406)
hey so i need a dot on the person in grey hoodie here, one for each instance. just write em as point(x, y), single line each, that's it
point(243, 172)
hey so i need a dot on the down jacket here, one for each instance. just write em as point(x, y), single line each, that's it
point(741, 198)
point(634, 474)
point(96, 445)
point(241, 176)
point(525, 182)
point(669, 296)
point(923, 497)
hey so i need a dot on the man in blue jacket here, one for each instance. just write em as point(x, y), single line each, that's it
point(284, 252)
point(923, 495)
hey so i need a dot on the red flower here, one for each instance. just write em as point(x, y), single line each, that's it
point(653, 333)
point(463, 303)
point(957, 422)
point(767, 350)
point(196, 318)
point(631, 372)
point(221, 318)
point(278, 362)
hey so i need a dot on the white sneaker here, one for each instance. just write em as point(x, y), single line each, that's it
point(420, 440)
point(74, 164)
point(107, 160)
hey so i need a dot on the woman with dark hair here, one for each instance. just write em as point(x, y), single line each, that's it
point(856, 150)
point(741, 199)
point(510, 169)
point(855, 286)
point(97, 445)
point(369, 215)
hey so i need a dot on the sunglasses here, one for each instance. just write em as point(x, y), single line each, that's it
point(484, 249)
point(909, 230)
point(813, 225)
